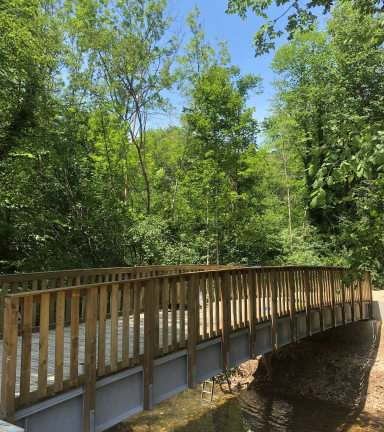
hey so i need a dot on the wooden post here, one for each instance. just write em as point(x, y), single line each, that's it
point(292, 303)
point(361, 300)
point(43, 345)
point(307, 302)
point(90, 360)
point(25, 373)
point(192, 331)
point(321, 290)
point(182, 311)
point(274, 307)
point(59, 341)
point(115, 296)
point(149, 339)
point(11, 318)
point(226, 317)
point(74, 350)
point(103, 300)
point(251, 289)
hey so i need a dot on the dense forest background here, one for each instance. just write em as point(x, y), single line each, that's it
point(89, 179)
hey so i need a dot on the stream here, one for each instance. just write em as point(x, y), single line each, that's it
point(245, 411)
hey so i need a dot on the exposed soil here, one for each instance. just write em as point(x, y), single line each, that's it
point(349, 375)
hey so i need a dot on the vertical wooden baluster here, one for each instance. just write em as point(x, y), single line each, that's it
point(83, 299)
point(90, 358)
point(165, 300)
point(343, 299)
point(246, 298)
point(14, 287)
point(24, 288)
point(264, 293)
point(136, 322)
point(59, 341)
point(198, 313)
point(287, 294)
point(11, 318)
point(370, 294)
point(52, 303)
point(149, 315)
point(251, 289)
point(259, 295)
point(240, 299)
point(332, 289)
point(156, 323)
point(273, 282)
point(25, 374)
point(127, 304)
point(307, 301)
point(217, 304)
point(225, 315)
point(102, 341)
point(174, 313)
point(68, 301)
point(232, 298)
point(278, 289)
point(361, 299)
point(204, 304)
point(210, 295)
point(321, 293)
point(192, 330)
point(353, 301)
point(292, 302)
point(43, 345)
point(182, 311)
point(34, 288)
point(114, 326)
point(270, 305)
point(74, 351)
point(119, 277)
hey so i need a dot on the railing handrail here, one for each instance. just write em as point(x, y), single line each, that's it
point(121, 283)
point(10, 277)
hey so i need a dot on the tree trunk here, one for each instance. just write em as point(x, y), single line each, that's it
point(288, 193)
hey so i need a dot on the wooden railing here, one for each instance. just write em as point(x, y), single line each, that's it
point(130, 321)
point(26, 282)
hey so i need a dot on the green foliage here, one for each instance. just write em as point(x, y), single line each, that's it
point(87, 179)
point(300, 18)
point(340, 142)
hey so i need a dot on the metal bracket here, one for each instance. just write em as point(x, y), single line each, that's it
point(92, 421)
point(150, 396)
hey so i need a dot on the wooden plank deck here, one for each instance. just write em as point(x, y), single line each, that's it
point(67, 343)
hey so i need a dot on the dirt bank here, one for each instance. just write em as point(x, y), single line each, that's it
point(349, 375)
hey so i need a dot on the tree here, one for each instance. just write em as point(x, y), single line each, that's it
point(300, 17)
point(339, 142)
point(128, 49)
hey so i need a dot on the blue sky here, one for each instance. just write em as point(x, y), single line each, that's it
point(239, 36)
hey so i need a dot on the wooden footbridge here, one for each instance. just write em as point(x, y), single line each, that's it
point(84, 349)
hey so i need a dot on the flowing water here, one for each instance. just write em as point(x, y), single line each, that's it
point(247, 411)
